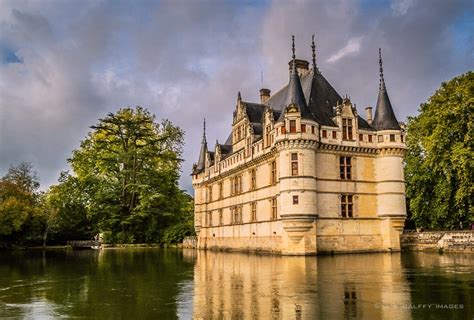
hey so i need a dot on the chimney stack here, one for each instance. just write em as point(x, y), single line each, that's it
point(264, 95)
point(302, 66)
point(368, 114)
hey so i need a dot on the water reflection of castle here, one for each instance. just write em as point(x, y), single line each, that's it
point(239, 286)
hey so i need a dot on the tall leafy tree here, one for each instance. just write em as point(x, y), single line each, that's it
point(23, 176)
point(129, 166)
point(439, 163)
point(20, 214)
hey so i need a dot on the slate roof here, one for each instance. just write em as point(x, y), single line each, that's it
point(320, 96)
point(320, 100)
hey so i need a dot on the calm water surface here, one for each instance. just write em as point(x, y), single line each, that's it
point(188, 284)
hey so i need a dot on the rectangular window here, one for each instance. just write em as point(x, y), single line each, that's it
point(273, 173)
point(292, 126)
point(294, 164)
point(221, 190)
point(325, 133)
point(253, 216)
point(346, 206)
point(361, 137)
point(209, 190)
point(345, 167)
point(253, 179)
point(237, 214)
point(312, 129)
point(209, 220)
point(283, 130)
point(380, 138)
point(370, 138)
point(295, 200)
point(347, 129)
point(232, 209)
point(221, 217)
point(236, 185)
point(392, 138)
point(267, 135)
point(401, 137)
point(274, 209)
point(303, 128)
point(334, 134)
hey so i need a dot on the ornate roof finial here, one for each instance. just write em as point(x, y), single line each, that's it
point(204, 130)
point(382, 82)
point(239, 97)
point(293, 47)
point(313, 48)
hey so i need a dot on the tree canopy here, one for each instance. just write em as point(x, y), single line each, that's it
point(128, 168)
point(124, 184)
point(20, 208)
point(439, 164)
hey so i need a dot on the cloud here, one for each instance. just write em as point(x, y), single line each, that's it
point(67, 64)
point(352, 46)
point(401, 7)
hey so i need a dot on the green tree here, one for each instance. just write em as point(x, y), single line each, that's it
point(439, 164)
point(65, 211)
point(16, 207)
point(20, 215)
point(129, 167)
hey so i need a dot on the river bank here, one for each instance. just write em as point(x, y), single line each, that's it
point(461, 241)
point(442, 241)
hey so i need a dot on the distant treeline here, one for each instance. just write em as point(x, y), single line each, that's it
point(123, 185)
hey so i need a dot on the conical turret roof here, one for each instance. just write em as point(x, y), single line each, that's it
point(201, 164)
point(295, 94)
point(384, 118)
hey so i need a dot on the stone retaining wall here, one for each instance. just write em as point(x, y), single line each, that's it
point(450, 241)
point(189, 242)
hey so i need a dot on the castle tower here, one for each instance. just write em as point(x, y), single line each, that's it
point(296, 144)
point(391, 206)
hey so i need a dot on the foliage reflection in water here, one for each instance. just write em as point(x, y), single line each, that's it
point(168, 284)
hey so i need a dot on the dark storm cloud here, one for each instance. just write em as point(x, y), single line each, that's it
point(66, 64)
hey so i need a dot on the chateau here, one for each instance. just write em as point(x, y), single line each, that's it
point(303, 173)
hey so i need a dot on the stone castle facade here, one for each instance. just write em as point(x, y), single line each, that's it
point(303, 173)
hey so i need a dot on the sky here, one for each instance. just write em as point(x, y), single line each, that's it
point(65, 64)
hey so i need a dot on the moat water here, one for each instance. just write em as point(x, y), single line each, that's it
point(189, 284)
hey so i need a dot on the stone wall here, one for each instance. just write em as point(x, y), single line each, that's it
point(450, 241)
point(189, 242)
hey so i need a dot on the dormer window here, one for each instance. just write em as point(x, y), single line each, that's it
point(347, 129)
point(292, 126)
